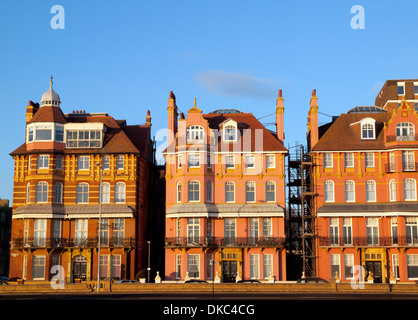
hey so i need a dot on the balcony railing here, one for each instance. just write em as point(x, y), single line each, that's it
point(406, 167)
point(368, 241)
point(72, 243)
point(394, 137)
point(225, 241)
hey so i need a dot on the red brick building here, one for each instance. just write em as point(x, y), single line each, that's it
point(225, 196)
point(365, 174)
point(56, 205)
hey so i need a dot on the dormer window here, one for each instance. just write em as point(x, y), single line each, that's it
point(368, 129)
point(194, 134)
point(45, 132)
point(230, 133)
point(405, 131)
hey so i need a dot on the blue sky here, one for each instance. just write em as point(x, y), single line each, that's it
point(123, 58)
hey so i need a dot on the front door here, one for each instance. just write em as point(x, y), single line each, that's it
point(229, 271)
point(80, 268)
point(374, 267)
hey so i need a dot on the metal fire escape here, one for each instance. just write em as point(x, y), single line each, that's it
point(308, 216)
point(300, 220)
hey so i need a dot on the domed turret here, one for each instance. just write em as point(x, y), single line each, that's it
point(50, 98)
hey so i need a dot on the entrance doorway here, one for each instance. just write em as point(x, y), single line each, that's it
point(374, 267)
point(229, 271)
point(79, 268)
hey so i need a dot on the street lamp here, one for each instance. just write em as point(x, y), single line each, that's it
point(149, 256)
point(100, 226)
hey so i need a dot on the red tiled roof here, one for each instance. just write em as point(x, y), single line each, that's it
point(48, 114)
point(344, 133)
point(245, 121)
point(118, 139)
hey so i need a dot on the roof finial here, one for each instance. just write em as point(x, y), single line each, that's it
point(51, 81)
point(195, 102)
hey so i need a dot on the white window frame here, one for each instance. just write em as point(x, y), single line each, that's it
point(193, 261)
point(349, 160)
point(230, 131)
point(250, 188)
point(83, 163)
point(270, 190)
point(38, 262)
point(347, 190)
point(193, 159)
point(392, 190)
point(120, 162)
point(369, 159)
point(409, 189)
point(348, 266)
point(335, 264)
point(192, 192)
point(229, 189)
point(370, 191)
point(254, 266)
point(229, 161)
point(267, 265)
point(249, 161)
point(408, 160)
point(41, 192)
point(82, 192)
point(329, 191)
point(106, 163)
point(120, 192)
point(405, 131)
point(194, 134)
point(411, 261)
point(328, 160)
point(270, 161)
point(368, 129)
point(42, 161)
point(178, 192)
point(105, 192)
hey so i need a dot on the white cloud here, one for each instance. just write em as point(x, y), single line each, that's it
point(235, 84)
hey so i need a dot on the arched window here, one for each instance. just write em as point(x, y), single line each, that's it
point(392, 190)
point(370, 191)
point(58, 192)
point(329, 191)
point(368, 128)
point(105, 196)
point(405, 131)
point(120, 192)
point(409, 189)
point(194, 134)
point(193, 191)
point(270, 191)
point(82, 193)
point(178, 191)
point(250, 191)
point(41, 192)
point(349, 191)
point(229, 191)
point(230, 133)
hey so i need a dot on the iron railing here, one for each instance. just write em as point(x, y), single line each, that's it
point(72, 242)
point(225, 241)
point(368, 241)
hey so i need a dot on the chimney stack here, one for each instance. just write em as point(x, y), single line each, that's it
point(313, 119)
point(279, 116)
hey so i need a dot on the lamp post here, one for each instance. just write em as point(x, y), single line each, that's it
point(149, 258)
point(100, 226)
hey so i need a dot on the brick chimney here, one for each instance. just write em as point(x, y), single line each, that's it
point(313, 120)
point(148, 118)
point(279, 116)
point(31, 109)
